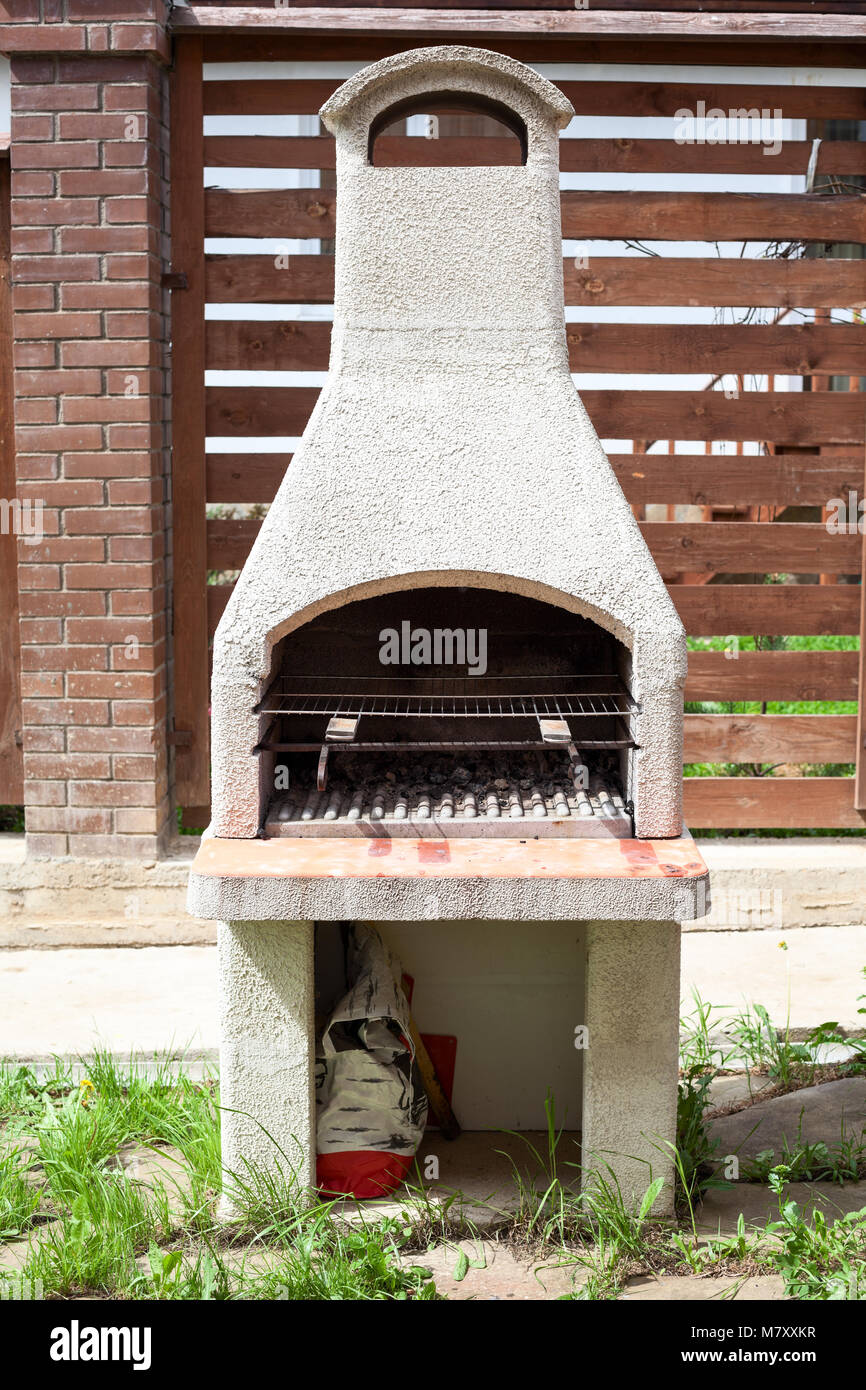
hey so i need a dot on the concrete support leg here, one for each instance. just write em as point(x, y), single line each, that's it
point(266, 1049)
point(631, 1061)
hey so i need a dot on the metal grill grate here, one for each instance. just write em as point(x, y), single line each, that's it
point(471, 714)
point(499, 697)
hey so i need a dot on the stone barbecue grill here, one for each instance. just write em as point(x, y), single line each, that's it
point(373, 758)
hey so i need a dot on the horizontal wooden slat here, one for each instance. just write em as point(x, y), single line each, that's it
point(773, 480)
point(719, 6)
point(229, 542)
point(772, 676)
point(274, 212)
point(744, 6)
point(756, 803)
point(767, 610)
point(592, 347)
point(788, 417)
point(608, 280)
point(717, 281)
point(734, 547)
point(714, 216)
point(304, 212)
point(268, 345)
point(625, 156)
point(768, 480)
point(694, 547)
point(267, 96)
point(688, 53)
point(257, 280)
point(668, 98)
point(245, 477)
point(781, 349)
point(259, 410)
point(770, 738)
point(649, 24)
point(274, 96)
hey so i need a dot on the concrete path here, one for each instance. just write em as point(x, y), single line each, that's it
point(62, 1000)
point(815, 979)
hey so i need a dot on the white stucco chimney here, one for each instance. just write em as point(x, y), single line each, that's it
point(449, 446)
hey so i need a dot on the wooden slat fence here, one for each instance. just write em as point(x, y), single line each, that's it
point(794, 425)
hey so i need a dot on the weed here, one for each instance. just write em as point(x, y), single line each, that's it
point(769, 1050)
point(19, 1197)
point(841, 1162)
point(617, 1231)
point(695, 1150)
point(819, 1260)
point(552, 1212)
point(698, 1050)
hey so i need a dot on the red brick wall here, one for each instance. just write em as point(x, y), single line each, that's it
point(89, 199)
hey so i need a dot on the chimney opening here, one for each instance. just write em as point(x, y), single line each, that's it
point(449, 114)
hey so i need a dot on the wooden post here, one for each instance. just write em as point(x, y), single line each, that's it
point(191, 733)
point(639, 446)
point(11, 757)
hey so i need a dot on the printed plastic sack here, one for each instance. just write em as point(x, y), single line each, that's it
point(370, 1102)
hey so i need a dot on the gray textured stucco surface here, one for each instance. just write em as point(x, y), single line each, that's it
point(449, 445)
point(391, 899)
point(266, 1010)
point(632, 1059)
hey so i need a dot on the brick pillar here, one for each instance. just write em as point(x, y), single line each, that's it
point(89, 199)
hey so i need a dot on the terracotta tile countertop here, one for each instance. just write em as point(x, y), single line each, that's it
point(443, 858)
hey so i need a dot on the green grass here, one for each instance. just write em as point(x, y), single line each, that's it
point(104, 1232)
point(19, 1196)
point(696, 1151)
point(91, 1226)
point(22, 1094)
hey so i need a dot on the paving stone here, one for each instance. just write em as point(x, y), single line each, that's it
point(159, 1166)
point(477, 1176)
point(732, 1090)
point(692, 1288)
point(722, 1206)
point(810, 1115)
point(496, 1272)
point(13, 1254)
